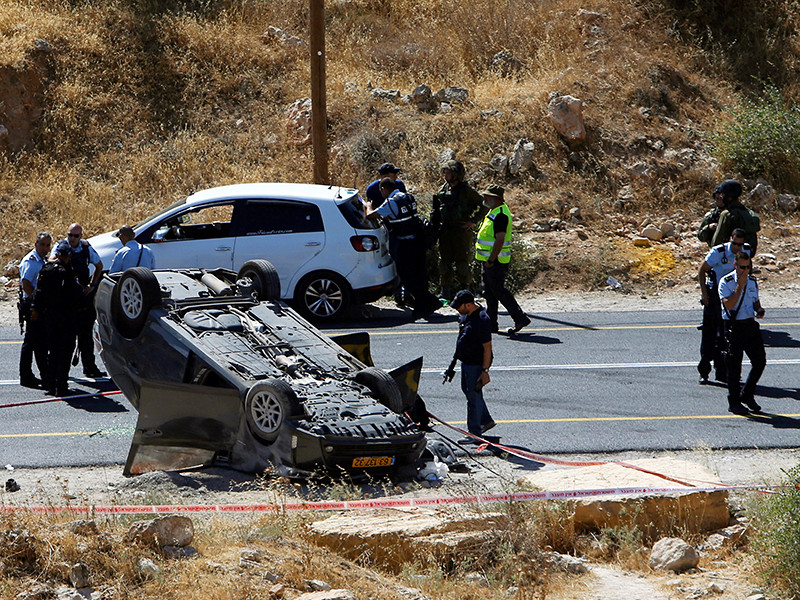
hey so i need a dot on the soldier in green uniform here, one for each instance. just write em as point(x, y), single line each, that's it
point(709, 223)
point(457, 207)
point(735, 216)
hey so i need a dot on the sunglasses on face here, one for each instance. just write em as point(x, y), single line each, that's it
point(73, 235)
point(743, 267)
point(737, 243)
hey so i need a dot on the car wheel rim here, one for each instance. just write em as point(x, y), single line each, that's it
point(324, 297)
point(267, 412)
point(131, 299)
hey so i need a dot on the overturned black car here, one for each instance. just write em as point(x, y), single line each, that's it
point(224, 373)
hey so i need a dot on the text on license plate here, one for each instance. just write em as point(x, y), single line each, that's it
point(373, 461)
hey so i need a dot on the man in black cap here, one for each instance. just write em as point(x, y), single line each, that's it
point(55, 304)
point(474, 350)
point(373, 191)
point(493, 252)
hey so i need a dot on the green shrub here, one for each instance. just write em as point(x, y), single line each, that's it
point(777, 543)
point(762, 139)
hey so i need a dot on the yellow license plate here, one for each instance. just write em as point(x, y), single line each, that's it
point(373, 461)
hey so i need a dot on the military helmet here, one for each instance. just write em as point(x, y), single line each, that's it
point(456, 167)
point(730, 188)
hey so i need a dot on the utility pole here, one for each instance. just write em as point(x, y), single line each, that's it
point(319, 119)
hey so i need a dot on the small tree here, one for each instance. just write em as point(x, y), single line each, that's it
point(777, 544)
point(762, 139)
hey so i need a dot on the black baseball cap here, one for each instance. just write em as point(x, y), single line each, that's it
point(462, 297)
point(388, 168)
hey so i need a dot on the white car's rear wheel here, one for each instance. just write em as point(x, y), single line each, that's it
point(323, 296)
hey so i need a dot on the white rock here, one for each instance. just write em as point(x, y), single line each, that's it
point(716, 588)
point(169, 530)
point(521, 157)
point(317, 585)
point(79, 575)
point(673, 554)
point(652, 233)
point(147, 569)
point(760, 196)
point(328, 595)
point(499, 163)
point(298, 121)
point(566, 115)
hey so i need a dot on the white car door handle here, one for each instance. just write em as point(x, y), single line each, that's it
point(313, 243)
point(223, 248)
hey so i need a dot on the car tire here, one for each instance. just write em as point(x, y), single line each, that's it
point(264, 277)
point(268, 404)
point(322, 296)
point(383, 387)
point(136, 292)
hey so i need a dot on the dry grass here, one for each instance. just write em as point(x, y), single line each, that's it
point(147, 101)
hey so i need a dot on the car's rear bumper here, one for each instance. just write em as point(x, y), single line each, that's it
point(372, 293)
point(342, 454)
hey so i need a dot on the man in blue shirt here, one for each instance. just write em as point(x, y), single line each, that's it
point(741, 305)
point(373, 191)
point(719, 262)
point(34, 343)
point(132, 253)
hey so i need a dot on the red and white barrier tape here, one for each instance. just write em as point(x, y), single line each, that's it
point(368, 504)
point(524, 454)
point(63, 398)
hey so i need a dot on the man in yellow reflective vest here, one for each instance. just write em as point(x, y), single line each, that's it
point(493, 250)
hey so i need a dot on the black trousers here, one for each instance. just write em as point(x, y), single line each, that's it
point(409, 256)
point(60, 331)
point(712, 340)
point(744, 337)
point(34, 344)
point(495, 292)
point(84, 321)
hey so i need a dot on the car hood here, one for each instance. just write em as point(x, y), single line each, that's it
point(106, 245)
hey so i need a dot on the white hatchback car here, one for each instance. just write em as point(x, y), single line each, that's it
point(326, 254)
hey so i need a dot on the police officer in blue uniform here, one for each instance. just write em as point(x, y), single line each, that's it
point(406, 245)
point(34, 341)
point(719, 261)
point(741, 305)
point(84, 255)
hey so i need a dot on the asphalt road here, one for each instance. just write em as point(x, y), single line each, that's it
point(569, 383)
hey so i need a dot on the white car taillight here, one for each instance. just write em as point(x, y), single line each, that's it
point(365, 243)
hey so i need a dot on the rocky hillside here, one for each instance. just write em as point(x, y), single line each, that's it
point(597, 116)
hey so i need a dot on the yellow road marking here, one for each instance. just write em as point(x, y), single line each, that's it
point(499, 421)
point(51, 434)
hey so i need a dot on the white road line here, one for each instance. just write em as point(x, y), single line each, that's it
point(592, 366)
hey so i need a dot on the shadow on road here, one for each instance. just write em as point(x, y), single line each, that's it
point(94, 403)
point(777, 421)
point(777, 392)
point(778, 339)
point(533, 338)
